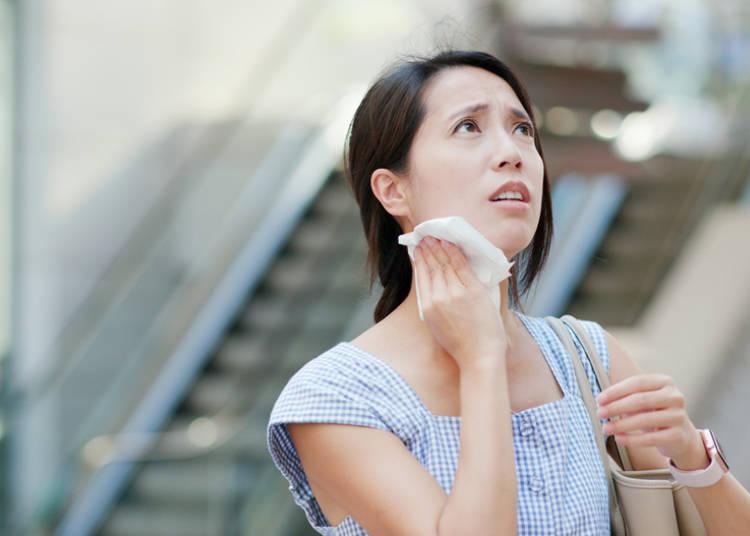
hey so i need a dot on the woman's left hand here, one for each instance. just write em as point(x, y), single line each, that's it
point(652, 405)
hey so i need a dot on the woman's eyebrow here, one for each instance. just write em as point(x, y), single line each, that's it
point(483, 106)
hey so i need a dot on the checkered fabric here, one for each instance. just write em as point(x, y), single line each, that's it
point(562, 487)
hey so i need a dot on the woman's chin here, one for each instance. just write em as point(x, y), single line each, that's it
point(510, 245)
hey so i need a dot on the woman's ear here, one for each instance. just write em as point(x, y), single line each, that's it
point(392, 192)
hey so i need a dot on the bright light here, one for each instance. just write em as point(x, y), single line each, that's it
point(674, 125)
point(638, 137)
point(202, 432)
point(605, 124)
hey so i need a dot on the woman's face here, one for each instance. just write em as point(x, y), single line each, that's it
point(460, 157)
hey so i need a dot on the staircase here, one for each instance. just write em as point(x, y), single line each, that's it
point(636, 253)
point(663, 192)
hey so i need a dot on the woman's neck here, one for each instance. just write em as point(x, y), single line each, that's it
point(406, 317)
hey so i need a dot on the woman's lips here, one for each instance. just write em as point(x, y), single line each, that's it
point(513, 205)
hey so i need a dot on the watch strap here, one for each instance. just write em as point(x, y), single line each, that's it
point(702, 477)
point(698, 479)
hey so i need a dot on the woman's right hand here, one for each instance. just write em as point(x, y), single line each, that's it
point(455, 304)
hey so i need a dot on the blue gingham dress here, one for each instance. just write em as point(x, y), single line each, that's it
point(562, 487)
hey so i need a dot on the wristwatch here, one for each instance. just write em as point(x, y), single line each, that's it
point(711, 474)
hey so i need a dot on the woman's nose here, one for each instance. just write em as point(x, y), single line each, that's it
point(506, 154)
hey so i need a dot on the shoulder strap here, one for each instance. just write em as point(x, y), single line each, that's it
point(593, 356)
point(618, 452)
point(563, 334)
point(583, 384)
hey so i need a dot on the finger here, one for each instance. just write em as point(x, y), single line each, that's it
point(438, 285)
point(461, 265)
point(649, 439)
point(647, 421)
point(664, 398)
point(436, 248)
point(432, 263)
point(452, 279)
point(637, 382)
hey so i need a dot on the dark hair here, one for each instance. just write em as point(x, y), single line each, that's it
point(380, 136)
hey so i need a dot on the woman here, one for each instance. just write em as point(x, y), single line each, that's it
point(470, 421)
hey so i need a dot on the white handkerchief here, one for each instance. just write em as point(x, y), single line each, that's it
point(488, 261)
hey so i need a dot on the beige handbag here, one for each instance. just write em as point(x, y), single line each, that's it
point(647, 502)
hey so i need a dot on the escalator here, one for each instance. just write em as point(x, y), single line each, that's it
point(302, 307)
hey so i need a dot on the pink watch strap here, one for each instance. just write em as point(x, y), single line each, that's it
point(702, 477)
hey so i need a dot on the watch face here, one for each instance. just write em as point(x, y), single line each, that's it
point(719, 450)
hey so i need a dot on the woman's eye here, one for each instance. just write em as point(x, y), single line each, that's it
point(528, 129)
point(465, 122)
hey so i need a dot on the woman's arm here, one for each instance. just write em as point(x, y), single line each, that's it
point(725, 506)
point(371, 475)
point(464, 321)
point(484, 494)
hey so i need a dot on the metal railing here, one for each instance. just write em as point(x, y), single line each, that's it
point(584, 210)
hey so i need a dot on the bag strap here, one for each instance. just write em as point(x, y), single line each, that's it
point(563, 334)
point(618, 452)
point(583, 383)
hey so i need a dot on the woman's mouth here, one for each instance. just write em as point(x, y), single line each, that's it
point(513, 205)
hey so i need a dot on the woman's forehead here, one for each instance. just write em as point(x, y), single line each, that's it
point(455, 87)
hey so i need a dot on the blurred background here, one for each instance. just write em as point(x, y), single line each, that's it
point(178, 239)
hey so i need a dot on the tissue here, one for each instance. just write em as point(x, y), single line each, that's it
point(488, 262)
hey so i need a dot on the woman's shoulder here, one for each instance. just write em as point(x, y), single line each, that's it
point(332, 362)
point(590, 331)
point(333, 387)
point(337, 385)
point(597, 337)
point(592, 327)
